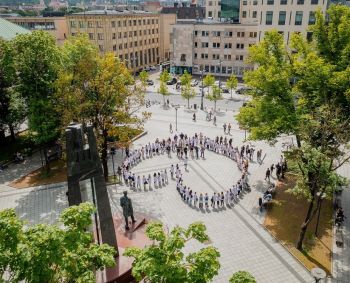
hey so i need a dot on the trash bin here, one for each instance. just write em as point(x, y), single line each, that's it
point(195, 106)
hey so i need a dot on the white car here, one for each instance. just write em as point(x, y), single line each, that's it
point(194, 83)
point(153, 68)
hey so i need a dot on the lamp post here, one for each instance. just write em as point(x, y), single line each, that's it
point(176, 108)
point(220, 62)
point(321, 197)
point(318, 274)
point(112, 154)
point(202, 97)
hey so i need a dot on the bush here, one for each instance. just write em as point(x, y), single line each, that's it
point(242, 277)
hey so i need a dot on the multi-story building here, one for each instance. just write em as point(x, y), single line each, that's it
point(192, 11)
point(139, 38)
point(212, 47)
point(57, 26)
point(286, 16)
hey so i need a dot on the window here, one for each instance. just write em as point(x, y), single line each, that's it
point(239, 57)
point(113, 35)
point(245, 2)
point(216, 56)
point(228, 45)
point(314, 2)
point(300, 2)
point(282, 18)
point(216, 33)
point(125, 34)
point(73, 24)
point(125, 45)
point(144, 21)
point(309, 36)
point(100, 36)
point(135, 23)
point(139, 21)
point(227, 57)
point(240, 46)
point(255, 2)
point(283, 2)
point(240, 34)
point(130, 33)
point(205, 44)
point(269, 15)
point(148, 21)
point(228, 33)
point(91, 36)
point(204, 56)
point(99, 24)
point(244, 14)
point(270, 2)
point(101, 48)
point(254, 14)
point(253, 34)
point(114, 47)
point(312, 18)
point(130, 22)
point(205, 33)
point(135, 33)
point(113, 24)
point(90, 24)
point(298, 18)
point(195, 44)
point(152, 21)
point(216, 45)
point(210, 3)
point(195, 33)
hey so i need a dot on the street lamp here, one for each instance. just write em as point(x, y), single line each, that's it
point(220, 62)
point(202, 98)
point(176, 108)
point(321, 196)
point(112, 154)
point(318, 274)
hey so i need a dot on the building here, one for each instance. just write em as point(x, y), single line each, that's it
point(136, 37)
point(286, 16)
point(192, 12)
point(56, 26)
point(212, 47)
point(9, 30)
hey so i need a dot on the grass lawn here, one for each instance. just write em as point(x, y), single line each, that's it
point(57, 174)
point(284, 218)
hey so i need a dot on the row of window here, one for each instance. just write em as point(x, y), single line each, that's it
point(100, 36)
point(113, 24)
point(139, 59)
point(218, 45)
point(37, 25)
point(298, 21)
point(217, 56)
point(224, 69)
point(282, 2)
point(240, 34)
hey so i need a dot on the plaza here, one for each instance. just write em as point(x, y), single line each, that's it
point(237, 231)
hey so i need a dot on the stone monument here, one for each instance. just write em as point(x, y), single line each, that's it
point(83, 163)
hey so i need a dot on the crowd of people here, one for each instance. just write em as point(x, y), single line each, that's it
point(186, 147)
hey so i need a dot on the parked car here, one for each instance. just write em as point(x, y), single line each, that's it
point(225, 90)
point(243, 90)
point(194, 83)
point(147, 69)
point(153, 68)
point(150, 82)
point(172, 81)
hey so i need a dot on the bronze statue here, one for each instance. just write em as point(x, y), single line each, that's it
point(126, 204)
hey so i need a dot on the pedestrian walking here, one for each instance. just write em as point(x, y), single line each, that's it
point(229, 128)
point(224, 126)
point(214, 120)
point(268, 173)
point(170, 128)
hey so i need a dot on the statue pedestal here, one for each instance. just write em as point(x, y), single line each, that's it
point(135, 237)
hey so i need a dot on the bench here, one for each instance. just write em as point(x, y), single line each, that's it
point(339, 238)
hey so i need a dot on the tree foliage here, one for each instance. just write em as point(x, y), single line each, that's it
point(208, 81)
point(304, 91)
point(242, 277)
point(52, 253)
point(165, 261)
point(187, 91)
point(163, 87)
point(215, 95)
point(231, 83)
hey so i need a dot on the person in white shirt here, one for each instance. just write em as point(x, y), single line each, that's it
point(138, 182)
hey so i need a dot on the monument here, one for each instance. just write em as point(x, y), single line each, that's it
point(83, 163)
point(126, 204)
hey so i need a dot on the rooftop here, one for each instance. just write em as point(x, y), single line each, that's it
point(9, 30)
point(111, 12)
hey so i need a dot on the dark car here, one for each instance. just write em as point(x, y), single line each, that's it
point(243, 90)
point(150, 82)
point(172, 81)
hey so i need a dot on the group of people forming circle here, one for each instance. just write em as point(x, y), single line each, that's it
point(186, 147)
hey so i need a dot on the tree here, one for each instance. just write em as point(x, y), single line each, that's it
point(242, 277)
point(215, 95)
point(144, 76)
point(209, 81)
point(304, 91)
point(164, 260)
point(100, 90)
point(52, 253)
point(231, 83)
point(37, 63)
point(163, 88)
point(187, 92)
point(12, 106)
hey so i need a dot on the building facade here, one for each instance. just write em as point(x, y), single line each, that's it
point(286, 16)
point(212, 47)
point(56, 26)
point(136, 37)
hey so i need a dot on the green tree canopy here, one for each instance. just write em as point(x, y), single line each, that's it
point(215, 95)
point(187, 91)
point(231, 83)
point(52, 253)
point(163, 88)
point(242, 277)
point(304, 91)
point(165, 261)
point(208, 81)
